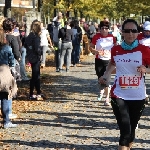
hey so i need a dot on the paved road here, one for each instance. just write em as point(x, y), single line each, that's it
point(71, 118)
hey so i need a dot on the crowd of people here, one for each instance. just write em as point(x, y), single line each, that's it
point(116, 47)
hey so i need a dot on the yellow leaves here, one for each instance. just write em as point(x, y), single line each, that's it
point(68, 106)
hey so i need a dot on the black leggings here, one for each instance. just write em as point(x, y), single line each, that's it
point(100, 66)
point(128, 113)
point(35, 80)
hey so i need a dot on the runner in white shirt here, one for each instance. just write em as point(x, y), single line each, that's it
point(101, 45)
point(128, 92)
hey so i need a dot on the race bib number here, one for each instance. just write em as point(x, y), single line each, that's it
point(129, 82)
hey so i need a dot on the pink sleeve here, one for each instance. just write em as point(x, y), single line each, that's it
point(94, 40)
point(146, 55)
point(113, 53)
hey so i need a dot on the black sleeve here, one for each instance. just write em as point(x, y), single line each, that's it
point(14, 45)
point(72, 35)
point(19, 41)
point(80, 33)
point(36, 44)
point(59, 34)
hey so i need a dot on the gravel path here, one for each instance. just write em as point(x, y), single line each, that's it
point(71, 118)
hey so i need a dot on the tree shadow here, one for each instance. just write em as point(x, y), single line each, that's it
point(48, 144)
point(70, 121)
point(58, 87)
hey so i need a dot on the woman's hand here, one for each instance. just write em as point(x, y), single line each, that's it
point(100, 52)
point(102, 80)
point(141, 69)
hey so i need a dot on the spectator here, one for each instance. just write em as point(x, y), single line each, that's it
point(76, 43)
point(66, 35)
point(141, 28)
point(45, 39)
point(116, 34)
point(57, 43)
point(13, 42)
point(23, 54)
point(92, 30)
point(32, 44)
point(8, 87)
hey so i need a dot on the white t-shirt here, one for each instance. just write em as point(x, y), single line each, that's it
point(129, 83)
point(143, 40)
point(44, 35)
point(105, 43)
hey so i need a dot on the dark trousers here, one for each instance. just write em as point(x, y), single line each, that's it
point(35, 80)
point(57, 54)
point(76, 54)
point(4, 107)
point(100, 66)
point(128, 113)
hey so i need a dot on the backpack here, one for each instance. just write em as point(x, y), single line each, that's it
point(56, 27)
point(77, 39)
point(31, 56)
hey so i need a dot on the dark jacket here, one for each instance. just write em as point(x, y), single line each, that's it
point(13, 42)
point(22, 36)
point(33, 40)
point(66, 35)
point(79, 33)
point(32, 44)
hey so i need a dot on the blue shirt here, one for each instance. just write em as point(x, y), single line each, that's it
point(6, 56)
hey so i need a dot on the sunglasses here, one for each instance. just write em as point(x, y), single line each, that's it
point(130, 30)
point(106, 28)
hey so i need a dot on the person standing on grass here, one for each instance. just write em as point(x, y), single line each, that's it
point(128, 91)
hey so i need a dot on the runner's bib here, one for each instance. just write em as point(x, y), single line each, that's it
point(129, 81)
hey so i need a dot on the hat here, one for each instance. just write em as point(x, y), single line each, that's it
point(146, 25)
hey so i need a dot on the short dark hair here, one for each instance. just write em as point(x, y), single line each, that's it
point(66, 23)
point(76, 22)
point(8, 25)
point(104, 23)
point(129, 20)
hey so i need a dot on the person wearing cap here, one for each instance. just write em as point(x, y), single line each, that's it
point(144, 39)
point(101, 45)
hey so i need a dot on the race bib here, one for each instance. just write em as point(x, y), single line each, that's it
point(129, 82)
